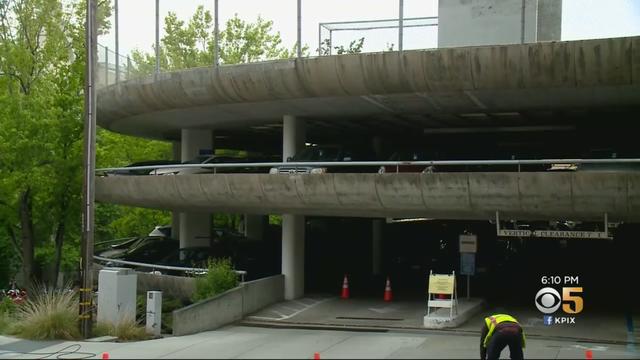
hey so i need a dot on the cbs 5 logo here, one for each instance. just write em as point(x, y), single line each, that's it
point(548, 300)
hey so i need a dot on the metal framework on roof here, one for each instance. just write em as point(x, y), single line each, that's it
point(372, 25)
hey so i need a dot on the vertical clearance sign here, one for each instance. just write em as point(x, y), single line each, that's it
point(468, 248)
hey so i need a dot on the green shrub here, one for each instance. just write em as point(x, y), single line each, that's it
point(125, 330)
point(7, 306)
point(169, 304)
point(47, 315)
point(5, 322)
point(7, 309)
point(219, 278)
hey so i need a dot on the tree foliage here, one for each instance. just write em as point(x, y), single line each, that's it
point(191, 44)
point(355, 47)
point(41, 107)
point(42, 60)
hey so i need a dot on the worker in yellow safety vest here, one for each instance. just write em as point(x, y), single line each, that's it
point(498, 332)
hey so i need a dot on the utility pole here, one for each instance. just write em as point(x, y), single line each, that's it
point(400, 24)
point(115, 9)
point(299, 29)
point(157, 37)
point(88, 194)
point(216, 40)
point(522, 21)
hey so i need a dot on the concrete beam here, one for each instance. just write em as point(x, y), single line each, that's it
point(528, 195)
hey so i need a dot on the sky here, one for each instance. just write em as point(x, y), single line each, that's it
point(581, 19)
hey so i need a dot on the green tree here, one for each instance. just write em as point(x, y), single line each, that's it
point(190, 44)
point(355, 47)
point(187, 45)
point(41, 85)
point(112, 150)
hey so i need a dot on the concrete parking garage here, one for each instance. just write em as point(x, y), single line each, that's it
point(554, 92)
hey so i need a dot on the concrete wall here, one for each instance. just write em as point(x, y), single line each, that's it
point(527, 196)
point(262, 292)
point(229, 306)
point(493, 22)
point(175, 286)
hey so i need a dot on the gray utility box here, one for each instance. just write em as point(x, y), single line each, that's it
point(116, 295)
point(154, 312)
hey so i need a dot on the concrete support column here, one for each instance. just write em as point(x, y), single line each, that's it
point(529, 21)
point(254, 226)
point(376, 246)
point(175, 215)
point(194, 142)
point(378, 148)
point(293, 226)
point(195, 228)
point(549, 20)
point(293, 255)
point(176, 150)
point(293, 136)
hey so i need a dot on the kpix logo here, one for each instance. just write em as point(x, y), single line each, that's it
point(548, 301)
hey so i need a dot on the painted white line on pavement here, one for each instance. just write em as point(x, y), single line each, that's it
point(307, 308)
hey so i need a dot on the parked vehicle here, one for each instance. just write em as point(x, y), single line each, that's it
point(148, 249)
point(606, 153)
point(325, 153)
point(217, 159)
point(161, 230)
point(139, 171)
point(116, 247)
point(408, 156)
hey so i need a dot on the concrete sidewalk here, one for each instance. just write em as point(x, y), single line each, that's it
point(374, 314)
point(252, 342)
point(330, 311)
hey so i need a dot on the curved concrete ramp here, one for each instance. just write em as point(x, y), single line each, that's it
point(547, 75)
point(526, 196)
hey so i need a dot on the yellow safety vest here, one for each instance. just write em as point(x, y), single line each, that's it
point(494, 320)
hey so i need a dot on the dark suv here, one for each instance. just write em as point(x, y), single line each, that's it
point(325, 153)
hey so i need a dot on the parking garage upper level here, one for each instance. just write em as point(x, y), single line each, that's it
point(391, 94)
point(388, 92)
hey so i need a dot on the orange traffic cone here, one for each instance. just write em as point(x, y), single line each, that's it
point(387, 291)
point(345, 288)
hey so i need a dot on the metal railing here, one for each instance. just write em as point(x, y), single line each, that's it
point(116, 67)
point(240, 273)
point(325, 44)
point(397, 164)
point(113, 67)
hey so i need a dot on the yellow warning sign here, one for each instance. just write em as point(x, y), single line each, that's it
point(441, 284)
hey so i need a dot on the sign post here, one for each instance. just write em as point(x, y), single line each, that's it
point(468, 249)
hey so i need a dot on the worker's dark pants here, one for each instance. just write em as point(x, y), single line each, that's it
point(502, 338)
